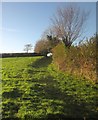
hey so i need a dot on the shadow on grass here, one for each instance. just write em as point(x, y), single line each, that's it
point(15, 93)
point(57, 116)
point(43, 62)
point(11, 118)
point(71, 107)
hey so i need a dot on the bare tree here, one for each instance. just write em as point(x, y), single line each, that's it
point(49, 35)
point(28, 47)
point(42, 46)
point(68, 24)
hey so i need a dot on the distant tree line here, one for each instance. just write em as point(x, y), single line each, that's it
point(5, 55)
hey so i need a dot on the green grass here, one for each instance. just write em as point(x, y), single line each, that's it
point(33, 90)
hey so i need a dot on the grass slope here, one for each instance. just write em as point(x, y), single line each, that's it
point(33, 90)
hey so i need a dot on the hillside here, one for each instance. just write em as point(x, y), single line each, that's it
point(32, 89)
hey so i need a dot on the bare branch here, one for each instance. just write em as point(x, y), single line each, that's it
point(68, 23)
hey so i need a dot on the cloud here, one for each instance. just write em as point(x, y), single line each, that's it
point(8, 30)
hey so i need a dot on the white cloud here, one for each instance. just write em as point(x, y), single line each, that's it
point(8, 30)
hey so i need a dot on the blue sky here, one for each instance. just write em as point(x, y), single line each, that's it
point(25, 22)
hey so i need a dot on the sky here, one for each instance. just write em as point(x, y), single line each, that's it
point(25, 22)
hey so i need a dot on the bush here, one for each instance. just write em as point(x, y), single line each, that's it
point(79, 60)
point(59, 56)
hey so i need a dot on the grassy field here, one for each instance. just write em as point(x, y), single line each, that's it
point(32, 89)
